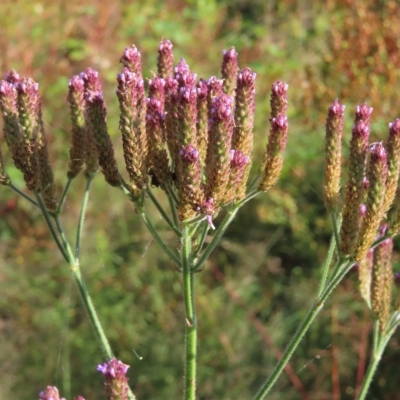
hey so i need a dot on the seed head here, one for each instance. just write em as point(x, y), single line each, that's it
point(28, 102)
point(12, 129)
point(393, 153)
point(377, 175)
point(218, 151)
point(365, 276)
point(242, 138)
point(96, 121)
point(273, 157)
point(354, 190)
point(202, 118)
point(76, 100)
point(239, 164)
point(333, 151)
point(189, 182)
point(92, 83)
point(382, 281)
point(157, 156)
point(4, 178)
point(129, 86)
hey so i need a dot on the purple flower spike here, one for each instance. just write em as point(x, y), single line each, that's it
point(165, 59)
point(132, 59)
point(13, 77)
point(91, 80)
point(116, 382)
point(50, 393)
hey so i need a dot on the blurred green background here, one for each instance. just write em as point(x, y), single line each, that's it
point(259, 283)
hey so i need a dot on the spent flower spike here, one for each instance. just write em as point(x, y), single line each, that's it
point(377, 175)
point(354, 190)
point(333, 152)
point(76, 100)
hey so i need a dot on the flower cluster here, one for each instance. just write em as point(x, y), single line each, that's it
point(194, 136)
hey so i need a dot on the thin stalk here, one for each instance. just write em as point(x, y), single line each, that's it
point(172, 225)
point(82, 216)
point(87, 301)
point(327, 264)
point(63, 196)
point(156, 236)
point(173, 201)
point(376, 358)
point(171, 192)
point(335, 229)
point(64, 239)
point(46, 215)
point(216, 238)
point(201, 239)
point(191, 320)
point(253, 183)
point(308, 320)
point(22, 194)
point(248, 197)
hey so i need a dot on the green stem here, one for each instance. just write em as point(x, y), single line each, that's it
point(173, 201)
point(201, 239)
point(253, 183)
point(216, 238)
point(46, 215)
point(22, 194)
point(191, 320)
point(381, 343)
point(172, 225)
point(82, 216)
point(327, 264)
point(317, 306)
point(87, 301)
point(156, 236)
point(64, 196)
point(335, 230)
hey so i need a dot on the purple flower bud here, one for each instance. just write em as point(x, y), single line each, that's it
point(189, 153)
point(165, 59)
point(91, 80)
point(131, 59)
point(229, 70)
point(50, 393)
point(116, 382)
point(12, 77)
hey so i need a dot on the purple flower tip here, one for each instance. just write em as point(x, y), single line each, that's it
point(113, 369)
point(165, 45)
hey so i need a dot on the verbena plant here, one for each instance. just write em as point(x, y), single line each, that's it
point(193, 140)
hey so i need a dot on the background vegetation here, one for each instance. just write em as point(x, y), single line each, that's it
point(258, 284)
